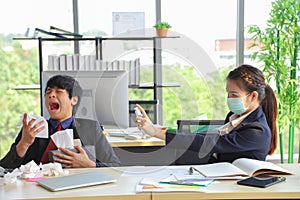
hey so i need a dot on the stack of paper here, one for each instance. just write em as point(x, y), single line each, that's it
point(168, 178)
point(173, 184)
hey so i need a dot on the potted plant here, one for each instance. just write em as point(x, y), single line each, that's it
point(162, 28)
point(279, 51)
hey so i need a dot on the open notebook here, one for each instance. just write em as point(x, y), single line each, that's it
point(75, 181)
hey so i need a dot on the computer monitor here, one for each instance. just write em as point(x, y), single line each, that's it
point(105, 96)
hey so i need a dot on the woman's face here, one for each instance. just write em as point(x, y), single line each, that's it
point(250, 100)
point(234, 91)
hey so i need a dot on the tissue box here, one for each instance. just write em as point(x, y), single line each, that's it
point(89, 149)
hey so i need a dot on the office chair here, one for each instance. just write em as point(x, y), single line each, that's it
point(193, 126)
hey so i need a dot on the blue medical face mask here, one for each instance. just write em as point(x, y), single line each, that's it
point(236, 105)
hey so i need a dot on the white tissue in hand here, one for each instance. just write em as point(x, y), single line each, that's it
point(43, 133)
point(63, 138)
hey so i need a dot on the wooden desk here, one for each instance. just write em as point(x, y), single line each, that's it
point(124, 188)
point(149, 151)
point(122, 142)
point(290, 189)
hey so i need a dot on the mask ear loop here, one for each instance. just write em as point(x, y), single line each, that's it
point(250, 102)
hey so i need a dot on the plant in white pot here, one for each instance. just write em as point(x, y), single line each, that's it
point(162, 28)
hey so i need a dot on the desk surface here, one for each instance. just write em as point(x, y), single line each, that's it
point(124, 188)
point(122, 142)
point(290, 189)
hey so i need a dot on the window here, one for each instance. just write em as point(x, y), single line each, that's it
point(253, 8)
point(97, 16)
point(21, 15)
point(203, 26)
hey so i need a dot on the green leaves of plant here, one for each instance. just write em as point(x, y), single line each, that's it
point(162, 25)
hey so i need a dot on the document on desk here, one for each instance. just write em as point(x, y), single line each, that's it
point(240, 167)
point(130, 133)
point(168, 178)
point(168, 188)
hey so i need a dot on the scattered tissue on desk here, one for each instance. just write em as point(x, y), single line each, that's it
point(32, 170)
point(43, 133)
point(53, 169)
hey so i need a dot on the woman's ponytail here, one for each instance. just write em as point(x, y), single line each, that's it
point(270, 109)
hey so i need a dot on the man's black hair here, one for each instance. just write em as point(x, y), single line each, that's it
point(68, 83)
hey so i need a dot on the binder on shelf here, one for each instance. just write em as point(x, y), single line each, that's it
point(69, 62)
point(62, 62)
point(122, 65)
point(53, 62)
point(109, 66)
point(115, 65)
point(131, 73)
point(76, 62)
point(81, 62)
point(137, 71)
point(87, 62)
point(92, 62)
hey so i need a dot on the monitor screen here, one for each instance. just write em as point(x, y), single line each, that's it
point(104, 98)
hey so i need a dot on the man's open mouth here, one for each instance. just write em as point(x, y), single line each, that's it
point(54, 106)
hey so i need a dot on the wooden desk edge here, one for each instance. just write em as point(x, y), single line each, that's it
point(139, 196)
point(225, 195)
point(135, 143)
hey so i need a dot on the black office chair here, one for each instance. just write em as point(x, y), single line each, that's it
point(193, 126)
point(188, 157)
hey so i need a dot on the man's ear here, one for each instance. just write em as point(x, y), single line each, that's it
point(74, 100)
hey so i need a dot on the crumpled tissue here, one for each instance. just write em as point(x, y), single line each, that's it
point(53, 169)
point(32, 170)
point(43, 133)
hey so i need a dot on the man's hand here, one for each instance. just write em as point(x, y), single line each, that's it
point(29, 131)
point(74, 160)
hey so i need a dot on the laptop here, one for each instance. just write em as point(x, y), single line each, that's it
point(75, 181)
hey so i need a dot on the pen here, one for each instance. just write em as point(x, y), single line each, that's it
point(180, 183)
point(192, 169)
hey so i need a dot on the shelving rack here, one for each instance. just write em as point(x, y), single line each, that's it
point(157, 61)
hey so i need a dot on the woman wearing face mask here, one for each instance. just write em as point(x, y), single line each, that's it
point(250, 127)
